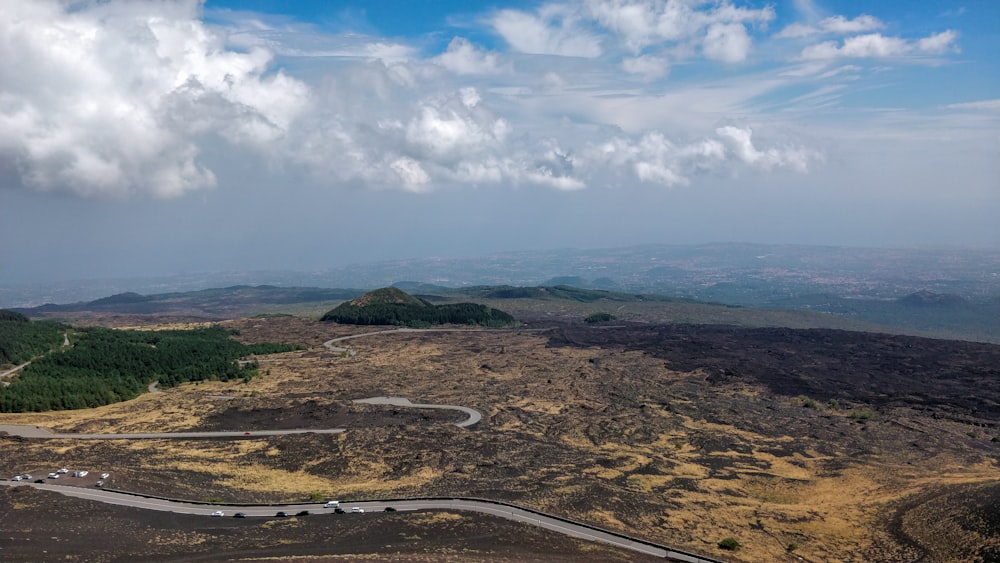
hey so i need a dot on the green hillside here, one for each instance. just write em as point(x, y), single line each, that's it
point(22, 340)
point(105, 366)
point(393, 306)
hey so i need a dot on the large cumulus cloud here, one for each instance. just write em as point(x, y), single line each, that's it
point(107, 99)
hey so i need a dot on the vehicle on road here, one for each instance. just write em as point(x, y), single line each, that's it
point(26, 477)
point(357, 510)
point(39, 480)
point(339, 510)
point(281, 514)
point(15, 478)
point(240, 515)
point(390, 509)
point(331, 504)
point(218, 514)
point(302, 513)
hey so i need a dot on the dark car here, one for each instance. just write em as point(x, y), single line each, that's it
point(339, 510)
point(281, 514)
point(240, 515)
point(39, 480)
point(302, 513)
point(390, 509)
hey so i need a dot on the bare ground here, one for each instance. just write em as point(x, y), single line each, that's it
point(828, 440)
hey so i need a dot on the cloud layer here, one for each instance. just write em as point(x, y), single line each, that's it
point(112, 99)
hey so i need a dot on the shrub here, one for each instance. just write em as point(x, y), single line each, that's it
point(599, 318)
point(860, 414)
point(317, 497)
point(729, 544)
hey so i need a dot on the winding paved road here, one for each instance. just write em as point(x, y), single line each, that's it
point(474, 415)
point(502, 510)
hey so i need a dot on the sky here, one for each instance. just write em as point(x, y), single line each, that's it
point(149, 138)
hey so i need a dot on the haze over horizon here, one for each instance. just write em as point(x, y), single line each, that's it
point(145, 139)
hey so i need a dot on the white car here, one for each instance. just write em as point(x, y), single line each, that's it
point(105, 475)
point(53, 475)
point(218, 514)
point(331, 504)
point(358, 510)
point(82, 473)
point(62, 471)
point(15, 478)
point(26, 477)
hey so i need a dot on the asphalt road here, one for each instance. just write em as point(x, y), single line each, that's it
point(516, 514)
point(38, 432)
point(474, 415)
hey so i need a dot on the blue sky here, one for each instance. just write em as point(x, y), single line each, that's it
point(145, 138)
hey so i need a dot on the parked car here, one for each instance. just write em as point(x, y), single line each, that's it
point(53, 475)
point(331, 504)
point(39, 480)
point(281, 514)
point(80, 473)
point(99, 484)
point(218, 514)
point(62, 471)
point(26, 477)
point(105, 475)
point(15, 478)
point(240, 515)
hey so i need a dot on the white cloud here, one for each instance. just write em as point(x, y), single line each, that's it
point(113, 99)
point(987, 105)
point(655, 159)
point(833, 25)
point(649, 67)
point(741, 143)
point(938, 43)
point(411, 173)
point(876, 45)
point(728, 43)
point(462, 57)
point(103, 99)
point(641, 23)
point(552, 30)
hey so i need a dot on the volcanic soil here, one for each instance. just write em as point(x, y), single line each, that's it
point(812, 444)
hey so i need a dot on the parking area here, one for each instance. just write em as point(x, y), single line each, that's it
point(65, 476)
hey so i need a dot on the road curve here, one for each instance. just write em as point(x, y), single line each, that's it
point(474, 415)
point(494, 508)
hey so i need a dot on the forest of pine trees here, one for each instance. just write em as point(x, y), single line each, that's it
point(105, 366)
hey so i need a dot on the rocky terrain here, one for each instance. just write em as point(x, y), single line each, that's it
point(812, 444)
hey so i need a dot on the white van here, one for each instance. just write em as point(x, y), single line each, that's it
point(331, 504)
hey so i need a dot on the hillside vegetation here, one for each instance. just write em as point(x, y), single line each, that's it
point(22, 340)
point(106, 366)
point(392, 306)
